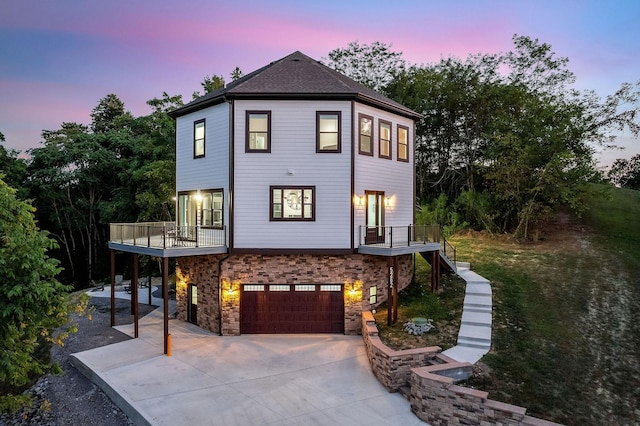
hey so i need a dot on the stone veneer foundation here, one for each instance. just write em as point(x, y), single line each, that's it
point(220, 313)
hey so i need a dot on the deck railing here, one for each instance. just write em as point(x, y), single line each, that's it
point(398, 236)
point(166, 235)
point(449, 251)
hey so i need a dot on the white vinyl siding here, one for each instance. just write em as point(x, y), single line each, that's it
point(212, 170)
point(394, 178)
point(292, 162)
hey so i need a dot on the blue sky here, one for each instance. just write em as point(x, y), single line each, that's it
point(59, 58)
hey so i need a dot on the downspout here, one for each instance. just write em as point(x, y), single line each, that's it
point(220, 294)
point(230, 214)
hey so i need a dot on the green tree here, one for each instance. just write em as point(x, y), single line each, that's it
point(209, 84)
point(32, 302)
point(373, 65)
point(14, 169)
point(236, 74)
point(104, 115)
point(626, 173)
point(505, 137)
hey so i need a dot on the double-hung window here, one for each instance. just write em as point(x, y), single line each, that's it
point(328, 131)
point(258, 125)
point(384, 139)
point(198, 138)
point(403, 143)
point(365, 134)
point(292, 203)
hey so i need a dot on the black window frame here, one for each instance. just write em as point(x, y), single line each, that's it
point(388, 141)
point(281, 202)
point(202, 121)
point(248, 132)
point(338, 115)
point(371, 136)
point(406, 145)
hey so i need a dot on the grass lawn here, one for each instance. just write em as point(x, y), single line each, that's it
point(566, 318)
point(444, 309)
point(566, 336)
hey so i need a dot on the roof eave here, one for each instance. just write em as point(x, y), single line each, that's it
point(187, 109)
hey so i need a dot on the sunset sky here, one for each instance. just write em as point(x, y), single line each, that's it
point(59, 58)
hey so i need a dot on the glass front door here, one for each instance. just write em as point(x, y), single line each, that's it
point(375, 217)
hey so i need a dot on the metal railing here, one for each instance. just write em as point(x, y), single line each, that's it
point(398, 236)
point(449, 251)
point(166, 235)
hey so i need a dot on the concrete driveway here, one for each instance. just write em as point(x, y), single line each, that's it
point(315, 379)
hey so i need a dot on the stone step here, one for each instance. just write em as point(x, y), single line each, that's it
point(476, 318)
point(474, 300)
point(405, 391)
point(475, 332)
point(482, 309)
point(476, 345)
point(474, 341)
point(471, 277)
point(478, 289)
point(463, 265)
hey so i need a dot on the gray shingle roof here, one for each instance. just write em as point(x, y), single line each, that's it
point(295, 76)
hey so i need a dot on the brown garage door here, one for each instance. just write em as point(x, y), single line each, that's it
point(284, 308)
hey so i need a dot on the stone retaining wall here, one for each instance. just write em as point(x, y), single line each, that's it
point(434, 397)
point(391, 367)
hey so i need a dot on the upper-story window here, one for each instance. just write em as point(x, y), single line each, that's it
point(198, 138)
point(292, 203)
point(328, 131)
point(403, 143)
point(258, 131)
point(384, 136)
point(365, 136)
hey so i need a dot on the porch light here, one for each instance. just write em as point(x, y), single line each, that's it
point(230, 290)
point(387, 201)
point(355, 292)
point(358, 201)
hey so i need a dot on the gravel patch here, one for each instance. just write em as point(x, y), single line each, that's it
point(71, 398)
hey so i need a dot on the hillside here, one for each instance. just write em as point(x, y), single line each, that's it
point(567, 314)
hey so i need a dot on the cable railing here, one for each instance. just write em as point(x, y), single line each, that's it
point(166, 235)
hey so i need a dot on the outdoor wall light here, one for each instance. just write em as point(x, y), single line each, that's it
point(358, 201)
point(388, 201)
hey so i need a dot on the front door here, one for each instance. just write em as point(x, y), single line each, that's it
point(192, 304)
point(375, 217)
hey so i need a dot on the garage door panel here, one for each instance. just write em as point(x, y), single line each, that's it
point(292, 311)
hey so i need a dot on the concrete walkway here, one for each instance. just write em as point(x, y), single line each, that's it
point(474, 337)
point(245, 380)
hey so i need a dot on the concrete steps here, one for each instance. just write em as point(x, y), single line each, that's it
point(474, 337)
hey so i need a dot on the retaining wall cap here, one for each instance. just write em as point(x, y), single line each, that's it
point(497, 405)
point(534, 421)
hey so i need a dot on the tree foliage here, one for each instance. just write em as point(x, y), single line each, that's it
point(505, 137)
point(14, 169)
point(209, 84)
point(626, 173)
point(373, 65)
point(32, 302)
point(119, 169)
point(236, 74)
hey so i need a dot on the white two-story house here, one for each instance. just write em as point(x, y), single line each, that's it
point(295, 203)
